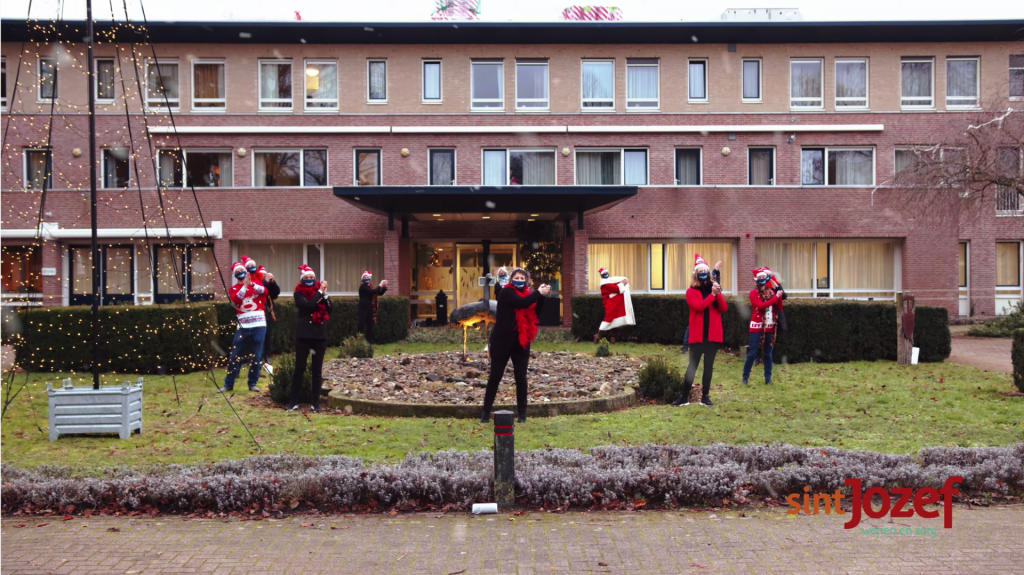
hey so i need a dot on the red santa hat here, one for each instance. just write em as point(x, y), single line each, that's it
point(248, 262)
point(698, 262)
point(305, 270)
point(602, 271)
point(759, 272)
point(237, 266)
point(365, 275)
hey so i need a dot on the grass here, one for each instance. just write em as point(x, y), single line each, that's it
point(861, 405)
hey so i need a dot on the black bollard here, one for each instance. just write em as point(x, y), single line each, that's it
point(504, 459)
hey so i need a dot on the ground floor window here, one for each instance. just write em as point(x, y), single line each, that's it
point(117, 275)
point(184, 269)
point(851, 269)
point(658, 267)
point(22, 273)
point(339, 264)
point(1008, 276)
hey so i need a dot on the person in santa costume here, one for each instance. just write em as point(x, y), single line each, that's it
point(515, 327)
point(618, 307)
point(765, 307)
point(312, 310)
point(249, 297)
point(704, 298)
point(273, 291)
point(366, 312)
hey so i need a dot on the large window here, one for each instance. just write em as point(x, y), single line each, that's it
point(487, 85)
point(629, 260)
point(917, 82)
point(850, 269)
point(519, 167)
point(209, 92)
point(104, 79)
point(1008, 264)
point(114, 168)
point(657, 266)
point(321, 85)
point(611, 167)
point(162, 84)
point(851, 84)
point(442, 167)
point(1016, 77)
point(962, 82)
point(688, 167)
point(38, 169)
point(431, 81)
point(598, 85)
point(339, 264)
point(376, 81)
point(195, 168)
point(290, 168)
point(532, 85)
point(1009, 199)
point(22, 269)
point(806, 84)
point(275, 85)
point(47, 77)
point(697, 81)
point(642, 84)
point(761, 167)
point(367, 168)
point(837, 166)
point(752, 80)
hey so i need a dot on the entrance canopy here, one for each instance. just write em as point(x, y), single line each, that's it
point(434, 203)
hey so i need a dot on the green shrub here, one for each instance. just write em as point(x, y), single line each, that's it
point(281, 384)
point(173, 338)
point(828, 330)
point(555, 335)
point(1004, 326)
point(355, 346)
point(1017, 355)
point(602, 349)
point(660, 380)
point(444, 335)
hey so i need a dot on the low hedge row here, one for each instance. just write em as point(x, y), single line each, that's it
point(1017, 355)
point(392, 322)
point(819, 329)
point(133, 339)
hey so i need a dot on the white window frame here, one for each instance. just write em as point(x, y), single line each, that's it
point(977, 84)
point(775, 166)
point(657, 101)
point(918, 60)
point(24, 167)
point(501, 86)
point(700, 166)
point(827, 149)
point(1010, 68)
point(867, 86)
point(184, 164)
point(760, 81)
point(430, 166)
point(160, 103)
point(611, 108)
point(380, 165)
point(387, 88)
point(337, 89)
point(302, 165)
point(508, 163)
point(820, 99)
point(547, 87)
point(707, 95)
point(96, 80)
point(259, 85)
point(622, 164)
point(423, 81)
point(103, 168)
point(192, 89)
point(39, 80)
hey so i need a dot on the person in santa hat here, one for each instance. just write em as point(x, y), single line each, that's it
point(249, 297)
point(618, 307)
point(312, 310)
point(273, 291)
point(704, 298)
point(765, 307)
point(366, 312)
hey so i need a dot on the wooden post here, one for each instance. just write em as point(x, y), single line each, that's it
point(904, 327)
point(504, 459)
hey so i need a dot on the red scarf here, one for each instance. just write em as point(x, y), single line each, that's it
point(320, 314)
point(526, 318)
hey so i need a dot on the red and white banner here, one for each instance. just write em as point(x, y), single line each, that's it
point(581, 13)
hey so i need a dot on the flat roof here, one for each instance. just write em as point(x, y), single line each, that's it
point(716, 32)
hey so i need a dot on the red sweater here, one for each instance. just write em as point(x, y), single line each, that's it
point(716, 306)
point(250, 303)
point(764, 314)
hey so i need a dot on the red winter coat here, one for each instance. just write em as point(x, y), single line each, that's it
point(697, 304)
point(758, 311)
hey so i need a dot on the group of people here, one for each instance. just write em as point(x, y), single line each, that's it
point(253, 295)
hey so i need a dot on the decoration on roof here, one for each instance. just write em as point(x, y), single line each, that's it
point(457, 10)
point(588, 13)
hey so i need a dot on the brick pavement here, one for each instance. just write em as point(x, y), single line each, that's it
point(983, 540)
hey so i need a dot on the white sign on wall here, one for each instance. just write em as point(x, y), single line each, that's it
point(49, 271)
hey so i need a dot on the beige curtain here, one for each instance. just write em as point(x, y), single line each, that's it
point(629, 260)
point(168, 265)
point(864, 266)
point(81, 276)
point(345, 263)
point(209, 82)
point(1008, 264)
point(761, 167)
point(679, 263)
point(367, 168)
point(793, 262)
point(281, 259)
point(204, 271)
point(117, 275)
point(598, 168)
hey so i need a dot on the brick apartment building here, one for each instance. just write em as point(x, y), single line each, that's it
point(413, 149)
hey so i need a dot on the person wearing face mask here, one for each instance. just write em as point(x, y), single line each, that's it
point(765, 308)
point(704, 298)
point(500, 281)
point(366, 312)
point(273, 291)
point(716, 276)
point(249, 297)
point(515, 327)
point(313, 308)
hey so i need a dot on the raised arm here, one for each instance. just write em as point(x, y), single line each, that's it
point(511, 298)
point(757, 302)
point(273, 290)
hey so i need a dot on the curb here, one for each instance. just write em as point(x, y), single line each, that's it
point(536, 409)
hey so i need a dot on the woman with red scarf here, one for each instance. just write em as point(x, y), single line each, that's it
point(515, 327)
point(312, 310)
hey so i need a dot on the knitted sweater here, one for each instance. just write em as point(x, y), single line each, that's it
point(250, 303)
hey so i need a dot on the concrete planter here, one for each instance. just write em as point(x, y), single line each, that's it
point(87, 410)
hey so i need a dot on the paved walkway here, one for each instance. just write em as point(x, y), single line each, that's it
point(982, 540)
point(988, 353)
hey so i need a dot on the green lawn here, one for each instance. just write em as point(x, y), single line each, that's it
point(863, 405)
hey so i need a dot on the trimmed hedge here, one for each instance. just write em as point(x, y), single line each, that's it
point(832, 330)
point(392, 322)
point(1017, 355)
point(134, 339)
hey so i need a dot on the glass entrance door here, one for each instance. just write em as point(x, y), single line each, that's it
point(470, 268)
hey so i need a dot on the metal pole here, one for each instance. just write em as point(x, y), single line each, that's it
point(92, 202)
point(504, 459)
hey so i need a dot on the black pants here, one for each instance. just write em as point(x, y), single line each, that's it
point(499, 359)
point(364, 325)
point(302, 348)
point(708, 350)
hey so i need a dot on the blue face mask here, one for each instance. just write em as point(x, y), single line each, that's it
point(605, 275)
point(240, 275)
point(252, 270)
point(519, 284)
point(366, 280)
point(703, 277)
point(309, 282)
point(762, 281)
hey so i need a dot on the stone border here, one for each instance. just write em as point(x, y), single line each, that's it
point(536, 408)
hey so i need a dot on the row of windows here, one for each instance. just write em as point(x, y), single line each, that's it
point(532, 83)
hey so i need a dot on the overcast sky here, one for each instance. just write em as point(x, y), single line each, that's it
point(515, 10)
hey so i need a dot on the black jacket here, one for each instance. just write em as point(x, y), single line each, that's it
point(505, 332)
point(366, 294)
point(273, 291)
point(304, 308)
